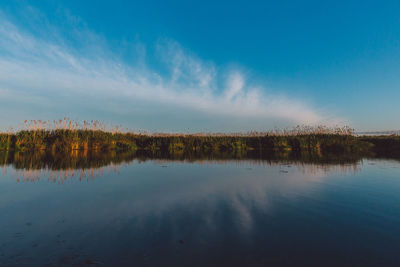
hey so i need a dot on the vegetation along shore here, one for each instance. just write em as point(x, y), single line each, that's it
point(65, 135)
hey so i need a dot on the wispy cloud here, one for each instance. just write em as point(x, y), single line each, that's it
point(48, 73)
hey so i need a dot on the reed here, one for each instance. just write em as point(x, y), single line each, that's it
point(68, 135)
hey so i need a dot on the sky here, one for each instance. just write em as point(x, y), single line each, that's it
point(219, 66)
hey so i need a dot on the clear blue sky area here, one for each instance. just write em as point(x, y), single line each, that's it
point(202, 65)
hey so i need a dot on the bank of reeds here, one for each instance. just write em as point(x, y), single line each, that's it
point(384, 145)
point(66, 135)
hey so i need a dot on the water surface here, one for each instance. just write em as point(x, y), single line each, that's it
point(199, 212)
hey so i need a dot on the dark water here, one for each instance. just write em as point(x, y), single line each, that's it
point(200, 213)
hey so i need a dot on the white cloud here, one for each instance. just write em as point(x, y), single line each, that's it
point(46, 69)
point(235, 86)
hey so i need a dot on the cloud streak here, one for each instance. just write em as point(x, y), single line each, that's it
point(48, 73)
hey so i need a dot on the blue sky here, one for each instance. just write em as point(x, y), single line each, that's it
point(201, 65)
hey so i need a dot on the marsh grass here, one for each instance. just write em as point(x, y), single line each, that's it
point(68, 135)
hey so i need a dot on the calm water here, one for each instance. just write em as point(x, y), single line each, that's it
point(201, 213)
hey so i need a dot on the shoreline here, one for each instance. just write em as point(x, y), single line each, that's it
point(61, 140)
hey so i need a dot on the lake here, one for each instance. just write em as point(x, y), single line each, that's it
point(137, 211)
